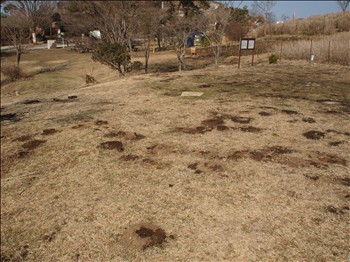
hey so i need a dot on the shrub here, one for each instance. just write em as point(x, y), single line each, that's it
point(273, 59)
point(114, 55)
point(136, 65)
point(12, 72)
point(205, 41)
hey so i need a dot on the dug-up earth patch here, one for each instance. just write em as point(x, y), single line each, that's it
point(255, 169)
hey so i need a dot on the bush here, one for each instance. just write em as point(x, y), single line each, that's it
point(12, 72)
point(114, 55)
point(273, 59)
point(137, 66)
point(205, 41)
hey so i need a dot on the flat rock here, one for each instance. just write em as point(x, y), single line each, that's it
point(191, 93)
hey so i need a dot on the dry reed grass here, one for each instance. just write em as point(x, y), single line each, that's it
point(316, 25)
point(327, 49)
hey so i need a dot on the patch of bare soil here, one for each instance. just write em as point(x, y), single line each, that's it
point(337, 143)
point(10, 116)
point(290, 112)
point(126, 135)
point(129, 157)
point(31, 145)
point(345, 181)
point(31, 102)
point(241, 119)
point(112, 145)
point(263, 113)
point(308, 120)
point(206, 167)
point(315, 135)
point(337, 210)
point(23, 138)
point(49, 131)
point(193, 131)
point(249, 129)
point(143, 236)
point(101, 122)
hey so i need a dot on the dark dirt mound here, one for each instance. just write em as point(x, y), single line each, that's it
point(101, 122)
point(78, 126)
point(30, 102)
point(250, 129)
point(336, 143)
point(126, 135)
point(344, 181)
point(72, 97)
point(193, 131)
point(31, 145)
point(142, 236)
point(315, 135)
point(241, 119)
point(312, 177)
point(23, 138)
point(205, 86)
point(8, 117)
point(337, 210)
point(115, 134)
point(279, 150)
point(263, 113)
point(111, 145)
point(290, 112)
point(308, 120)
point(49, 131)
point(222, 128)
point(23, 154)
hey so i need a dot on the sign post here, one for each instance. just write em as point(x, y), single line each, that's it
point(246, 44)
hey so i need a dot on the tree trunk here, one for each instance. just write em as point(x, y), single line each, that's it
point(147, 52)
point(18, 57)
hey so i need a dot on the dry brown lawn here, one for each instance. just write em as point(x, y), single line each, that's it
point(257, 169)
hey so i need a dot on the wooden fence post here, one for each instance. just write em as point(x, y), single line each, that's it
point(310, 51)
point(329, 52)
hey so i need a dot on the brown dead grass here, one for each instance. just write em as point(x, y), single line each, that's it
point(223, 194)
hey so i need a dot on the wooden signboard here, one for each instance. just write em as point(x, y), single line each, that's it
point(246, 44)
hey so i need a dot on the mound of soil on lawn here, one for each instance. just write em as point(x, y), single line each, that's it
point(263, 113)
point(112, 145)
point(315, 135)
point(23, 138)
point(142, 236)
point(241, 119)
point(49, 131)
point(101, 122)
point(31, 145)
point(290, 112)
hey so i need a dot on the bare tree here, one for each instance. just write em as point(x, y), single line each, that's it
point(218, 22)
point(39, 12)
point(264, 9)
point(148, 28)
point(115, 19)
point(178, 30)
point(16, 29)
point(343, 5)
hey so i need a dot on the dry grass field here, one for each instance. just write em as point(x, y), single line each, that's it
point(256, 169)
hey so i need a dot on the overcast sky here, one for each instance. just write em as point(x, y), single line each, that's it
point(302, 8)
